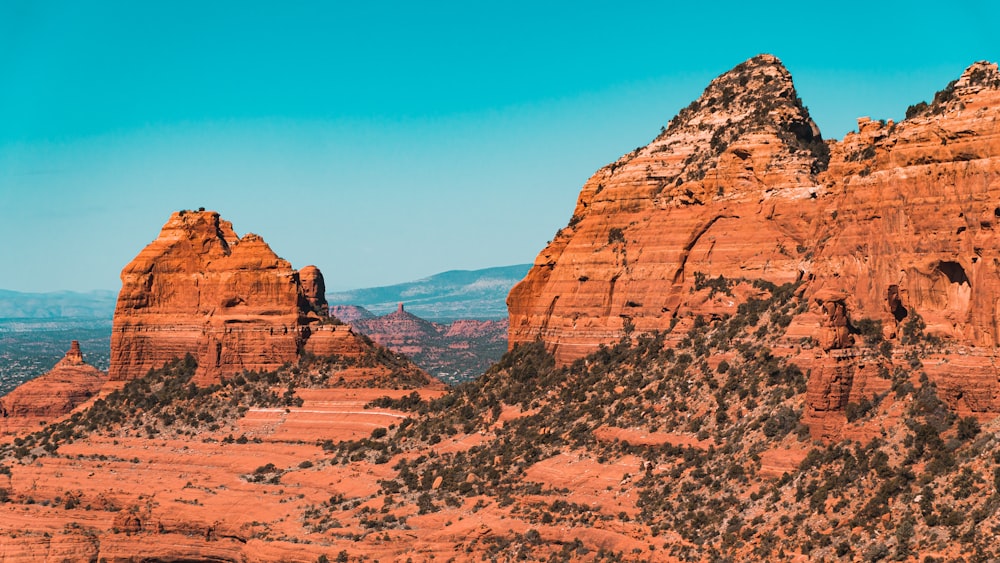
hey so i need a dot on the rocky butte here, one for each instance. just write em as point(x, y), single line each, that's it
point(228, 300)
point(454, 352)
point(49, 397)
point(896, 223)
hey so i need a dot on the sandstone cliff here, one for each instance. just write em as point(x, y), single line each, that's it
point(719, 192)
point(229, 300)
point(49, 397)
point(895, 220)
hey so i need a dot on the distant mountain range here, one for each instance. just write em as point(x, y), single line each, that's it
point(99, 304)
point(457, 294)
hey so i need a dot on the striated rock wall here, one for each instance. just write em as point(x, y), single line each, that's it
point(897, 219)
point(228, 300)
point(911, 218)
point(727, 189)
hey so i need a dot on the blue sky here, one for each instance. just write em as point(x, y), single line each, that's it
point(386, 142)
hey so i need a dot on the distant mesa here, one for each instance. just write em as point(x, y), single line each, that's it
point(228, 300)
point(454, 352)
point(350, 313)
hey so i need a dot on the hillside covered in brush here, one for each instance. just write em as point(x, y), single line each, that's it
point(676, 446)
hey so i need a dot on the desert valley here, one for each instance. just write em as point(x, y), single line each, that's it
point(749, 343)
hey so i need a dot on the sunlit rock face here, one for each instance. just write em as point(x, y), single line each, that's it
point(228, 300)
point(896, 219)
point(729, 188)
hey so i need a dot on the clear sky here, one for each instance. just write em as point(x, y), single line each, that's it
point(388, 141)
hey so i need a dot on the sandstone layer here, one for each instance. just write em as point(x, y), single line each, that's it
point(228, 300)
point(718, 193)
point(895, 222)
point(49, 397)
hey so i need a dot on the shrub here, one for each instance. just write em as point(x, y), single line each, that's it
point(269, 468)
point(616, 235)
point(968, 428)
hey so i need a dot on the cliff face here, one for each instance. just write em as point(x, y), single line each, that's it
point(893, 223)
point(49, 397)
point(908, 239)
point(229, 300)
point(719, 192)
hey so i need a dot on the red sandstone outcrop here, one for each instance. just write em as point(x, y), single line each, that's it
point(49, 397)
point(313, 289)
point(721, 191)
point(456, 351)
point(229, 300)
point(901, 221)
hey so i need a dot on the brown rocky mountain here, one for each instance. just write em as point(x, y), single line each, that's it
point(51, 396)
point(221, 349)
point(229, 300)
point(760, 399)
point(453, 352)
point(700, 198)
point(895, 220)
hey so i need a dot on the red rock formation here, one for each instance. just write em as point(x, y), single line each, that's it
point(720, 192)
point(401, 331)
point(313, 289)
point(901, 221)
point(457, 351)
point(231, 301)
point(910, 220)
point(51, 396)
point(350, 313)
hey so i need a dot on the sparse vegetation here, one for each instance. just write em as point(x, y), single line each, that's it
point(720, 399)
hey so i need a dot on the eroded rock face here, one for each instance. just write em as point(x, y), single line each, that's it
point(229, 300)
point(313, 289)
point(911, 212)
point(49, 397)
point(727, 189)
point(896, 219)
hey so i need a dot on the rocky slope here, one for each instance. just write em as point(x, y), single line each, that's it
point(453, 352)
point(641, 451)
point(231, 301)
point(894, 222)
point(51, 396)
